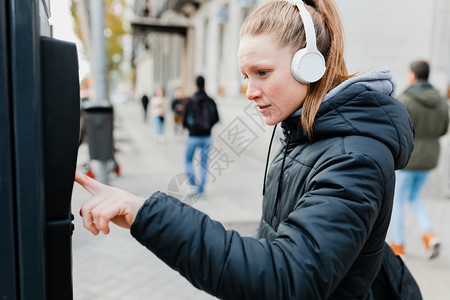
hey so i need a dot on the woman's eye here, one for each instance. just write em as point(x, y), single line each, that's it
point(262, 73)
point(245, 77)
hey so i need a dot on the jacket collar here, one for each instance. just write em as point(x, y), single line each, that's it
point(419, 85)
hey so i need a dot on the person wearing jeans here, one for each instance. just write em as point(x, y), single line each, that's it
point(429, 114)
point(158, 110)
point(200, 116)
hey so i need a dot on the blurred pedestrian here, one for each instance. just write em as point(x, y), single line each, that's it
point(144, 101)
point(178, 104)
point(429, 114)
point(199, 118)
point(328, 192)
point(158, 111)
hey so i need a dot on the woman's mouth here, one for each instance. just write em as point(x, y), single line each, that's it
point(263, 108)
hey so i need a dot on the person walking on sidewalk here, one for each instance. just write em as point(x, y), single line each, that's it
point(158, 111)
point(144, 101)
point(177, 105)
point(200, 116)
point(429, 114)
point(328, 192)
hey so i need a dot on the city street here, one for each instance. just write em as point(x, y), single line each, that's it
point(115, 266)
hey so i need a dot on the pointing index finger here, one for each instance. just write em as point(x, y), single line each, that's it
point(91, 185)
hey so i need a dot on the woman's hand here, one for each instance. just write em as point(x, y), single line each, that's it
point(107, 204)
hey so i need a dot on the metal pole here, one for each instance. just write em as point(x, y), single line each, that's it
point(99, 66)
point(99, 51)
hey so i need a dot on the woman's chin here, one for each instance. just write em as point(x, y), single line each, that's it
point(271, 121)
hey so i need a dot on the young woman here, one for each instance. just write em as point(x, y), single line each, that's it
point(328, 193)
point(158, 111)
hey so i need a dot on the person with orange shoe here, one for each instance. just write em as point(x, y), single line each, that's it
point(429, 115)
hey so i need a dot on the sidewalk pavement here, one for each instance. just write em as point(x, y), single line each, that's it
point(115, 266)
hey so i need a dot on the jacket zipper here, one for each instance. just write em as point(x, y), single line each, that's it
point(280, 180)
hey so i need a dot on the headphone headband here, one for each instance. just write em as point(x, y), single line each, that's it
point(308, 64)
point(308, 24)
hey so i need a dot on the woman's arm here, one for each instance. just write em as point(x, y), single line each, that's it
point(314, 248)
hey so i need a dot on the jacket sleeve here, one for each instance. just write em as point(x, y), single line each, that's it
point(214, 114)
point(186, 112)
point(313, 249)
point(446, 118)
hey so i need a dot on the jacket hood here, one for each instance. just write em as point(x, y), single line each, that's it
point(424, 93)
point(362, 105)
point(379, 81)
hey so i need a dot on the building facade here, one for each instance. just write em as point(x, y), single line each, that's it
point(175, 40)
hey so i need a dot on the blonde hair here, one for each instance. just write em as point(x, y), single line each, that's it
point(282, 19)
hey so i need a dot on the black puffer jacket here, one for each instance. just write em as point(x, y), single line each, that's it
point(322, 232)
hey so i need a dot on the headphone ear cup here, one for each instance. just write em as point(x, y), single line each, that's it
point(308, 66)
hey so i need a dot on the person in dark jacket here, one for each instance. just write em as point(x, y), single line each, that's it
point(144, 101)
point(328, 192)
point(200, 116)
point(429, 115)
point(177, 106)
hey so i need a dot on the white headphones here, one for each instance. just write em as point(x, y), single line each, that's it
point(308, 64)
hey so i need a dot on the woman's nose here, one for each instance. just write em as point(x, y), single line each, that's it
point(253, 92)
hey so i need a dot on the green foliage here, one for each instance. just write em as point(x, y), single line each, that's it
point(115, 30)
